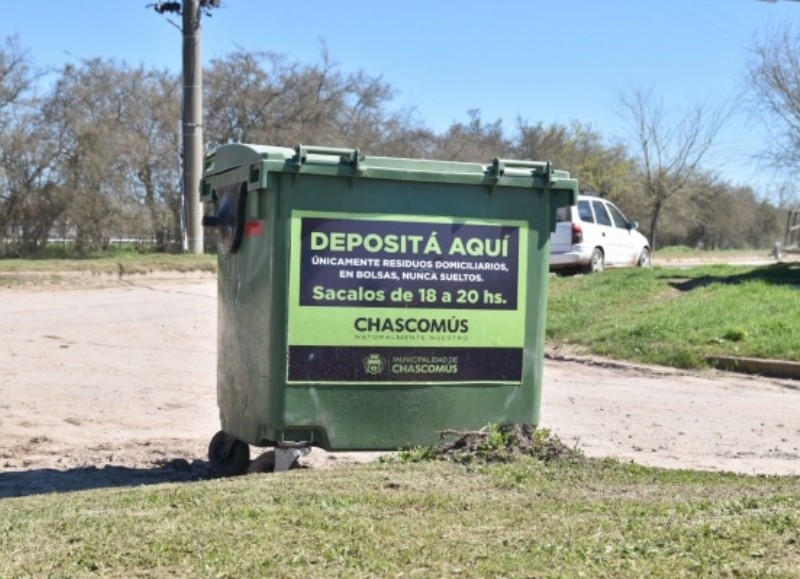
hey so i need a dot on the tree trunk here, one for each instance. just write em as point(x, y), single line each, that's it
point(654, 224)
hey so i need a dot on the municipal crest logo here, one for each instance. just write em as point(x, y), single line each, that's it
point(374, 364)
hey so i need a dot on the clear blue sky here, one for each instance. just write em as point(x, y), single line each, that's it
point(542, 60)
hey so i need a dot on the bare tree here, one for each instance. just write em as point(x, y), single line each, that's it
point(16, 72)
point(30, 200)
point(668, 147)
point(774, 80)
point(786, 196)
point(151, 157)
point(473, 141)
point(262, 97)
point(119, 162)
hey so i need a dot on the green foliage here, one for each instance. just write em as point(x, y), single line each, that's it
point(113, 251)
point(412, 455)
point(495, 440)
point(493, 443)
point(734, 334)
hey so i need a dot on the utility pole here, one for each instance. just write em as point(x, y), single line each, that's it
point(192, 121)
point(192, 126)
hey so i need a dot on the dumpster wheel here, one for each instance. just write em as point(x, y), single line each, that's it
point(228, 455)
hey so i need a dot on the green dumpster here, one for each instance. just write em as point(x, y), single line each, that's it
point(368, 303)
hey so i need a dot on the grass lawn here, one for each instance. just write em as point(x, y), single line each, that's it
point(127, 262)
point(525, 519)
point(677, 317)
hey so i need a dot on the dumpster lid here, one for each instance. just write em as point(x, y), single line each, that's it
point(235, 155)
point(351, 163)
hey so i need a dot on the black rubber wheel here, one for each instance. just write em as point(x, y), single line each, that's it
point(228, 456)
point(644, 258)
point(596, 262)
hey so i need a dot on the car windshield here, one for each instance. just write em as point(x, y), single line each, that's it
point(619, 219)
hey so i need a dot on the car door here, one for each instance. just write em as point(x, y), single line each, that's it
point(606, 235)
point(626, 248)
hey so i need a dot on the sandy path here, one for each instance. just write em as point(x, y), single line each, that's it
point(115, 385)
point(667, 418)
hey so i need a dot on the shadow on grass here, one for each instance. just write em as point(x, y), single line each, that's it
point(776, 274)
point(48, 480)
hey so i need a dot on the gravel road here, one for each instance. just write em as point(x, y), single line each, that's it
point(113, 384)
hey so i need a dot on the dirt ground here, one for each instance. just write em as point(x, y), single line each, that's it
point(111, 382)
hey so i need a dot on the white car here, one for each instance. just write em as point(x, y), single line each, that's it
point(593, 235)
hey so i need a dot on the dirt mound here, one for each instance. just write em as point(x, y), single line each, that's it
point(505, 443)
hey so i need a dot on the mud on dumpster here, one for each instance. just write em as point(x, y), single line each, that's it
point(368, 303)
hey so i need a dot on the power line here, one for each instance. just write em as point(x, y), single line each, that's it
point(697, 22)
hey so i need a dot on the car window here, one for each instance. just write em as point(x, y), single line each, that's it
point(619, 219)
point(585, 212)
point(603, 218)
point(564, 214)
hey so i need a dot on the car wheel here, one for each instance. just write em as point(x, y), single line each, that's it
point(596, 262)
point(644, 258)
